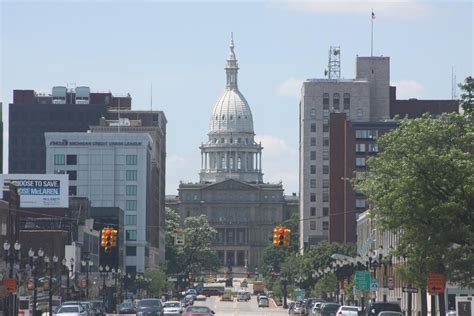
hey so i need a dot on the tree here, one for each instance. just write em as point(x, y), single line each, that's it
point(325, 287)
point(421, 186)
point(467, 97)
point(159, 283)
point(196, 255)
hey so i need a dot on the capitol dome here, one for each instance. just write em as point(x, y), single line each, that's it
point(231, 113)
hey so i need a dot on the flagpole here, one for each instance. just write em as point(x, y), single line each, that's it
point(372, 35)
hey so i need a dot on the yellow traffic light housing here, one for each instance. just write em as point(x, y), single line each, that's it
point(106, 240)
point(275, 237)
point(287, 237)
point(113, 237)
point(281, 236)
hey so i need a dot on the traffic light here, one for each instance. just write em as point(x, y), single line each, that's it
point(287, 237)
point(114, 237)
point(275, 237)
point(281, 236)
point(106, 240)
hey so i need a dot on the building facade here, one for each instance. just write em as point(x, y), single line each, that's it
point(231, 191)
point(111, 170)
point(365, 98)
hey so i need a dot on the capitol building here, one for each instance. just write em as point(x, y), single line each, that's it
point(231, 190)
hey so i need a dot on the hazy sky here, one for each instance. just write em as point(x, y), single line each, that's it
point(181, 47)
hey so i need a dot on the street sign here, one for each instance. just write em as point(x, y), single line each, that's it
point(436, 283)
point(10, 285)
point(410, 289)
point(362, 280)
point(390, 283)
point(179, 238)
point(374, 285)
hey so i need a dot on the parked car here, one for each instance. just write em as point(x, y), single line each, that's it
point(317, 307)
point(329, 309)
point(375, 308)
point(298, 309)
point(346, 310)
point(150, 307)
point(126, 308)
point(172, 308)
point(198, 311)
point(309, 303)
point(72, 310)
point(263, 301)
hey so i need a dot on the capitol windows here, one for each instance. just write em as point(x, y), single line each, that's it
point(335, 101)
point(312, 183)
point(246, 140)
point(326, 101)
point(239, 163)
point(222, 140)
point(347, 101)
point(223, 162)
point(231, 163)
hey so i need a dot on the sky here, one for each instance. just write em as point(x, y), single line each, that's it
point(180, 49)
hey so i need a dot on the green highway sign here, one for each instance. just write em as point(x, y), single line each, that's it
point(362, 280)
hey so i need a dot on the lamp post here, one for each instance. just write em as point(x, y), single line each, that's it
point(12, 257)
point(104, 273)
point(35, 265)
point(87, 264)
point(51, 266)
point(68, 271)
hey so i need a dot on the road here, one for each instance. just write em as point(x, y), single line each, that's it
point(235, 308)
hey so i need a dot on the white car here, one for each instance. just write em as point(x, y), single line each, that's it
point(71, 310)
point(346, 310)
point(172, 308)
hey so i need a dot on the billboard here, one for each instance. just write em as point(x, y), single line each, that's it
point(40, 190)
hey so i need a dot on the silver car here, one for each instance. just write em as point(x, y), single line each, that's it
point(72, 310)
point(172, 308)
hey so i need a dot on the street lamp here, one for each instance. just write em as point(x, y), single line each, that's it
point(87, 264)
point(12, 257)
point(35, 265)
point(51, 266)
point(69, 271)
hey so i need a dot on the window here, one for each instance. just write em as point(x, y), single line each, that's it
point(347, 101)
point(131, 220)
point(325, 154)
point(360, 148)
point(231, 163)
point(359, 114)
point(362, 134)
point(373, 134)
point(313, 155)
point(131, 190)
point(239, 163)
point(223, 163)
point(325, 196)
point(325, 128)
point(325, 211)
point(313, 141)
point(130, 235)
point(325, 114)
point(360, 162)
point(312, 197)
point(72, 174)
point(326, 101)
point(71, 159)
point(72, 190)
point(312, 183)
point(325, 183)
point(360, 203)
point(131, 205)
point(130, 251)
point(313, 127)
point(312, 169)
point(325, 169)
point(131, 175)
point(312, 113)
point(131, 159)
point(59, 159)
point(312, 211)
point(312, 225)
point(325, 225)
point(326, 141)
point(373, 148)
point(335, 101)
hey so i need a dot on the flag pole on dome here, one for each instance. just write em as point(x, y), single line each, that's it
point(372, 35)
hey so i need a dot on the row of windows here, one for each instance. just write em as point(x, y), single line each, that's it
point(313, 211)
point(336, 101)
point(131, 175)
point(231, 117)
point(312, 169)
point(312, 225)
point(130, 219)
point(231, 141)
point(72, 159)
point(373, 148)
point(312, 196)
point(131, 235)
point(367, 134)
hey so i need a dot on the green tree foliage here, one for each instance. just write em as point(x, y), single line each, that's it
point(467, 97)
point(422, 186)
point(196, 255)
point(158, 285)
point(325, 287)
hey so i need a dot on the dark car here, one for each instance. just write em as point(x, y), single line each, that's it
point(149, 307)
point(329, 309)
point(211, 292)
point(375, 308)
point(126, 308)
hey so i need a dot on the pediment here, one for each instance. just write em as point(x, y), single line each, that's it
point(231, 185)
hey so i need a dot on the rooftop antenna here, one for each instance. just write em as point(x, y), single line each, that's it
point(453, 83)
point(372, 35)
point(334, 63)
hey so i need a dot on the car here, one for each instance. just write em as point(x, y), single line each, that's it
point(126, 308)
point(309, 303)
point(347, 310)
point(172, 308)
point(390, 313)
point(374, 308)
point(242, 296)
point(211, 292)
point(200, 297)
point(72, 310)
point(298, 309)
point(150, 307)
point(198, 311)
point(317, 307)
point(263, 302)
point(192, 292)
point(329, 309)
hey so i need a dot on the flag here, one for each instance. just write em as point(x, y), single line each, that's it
point(373, 15)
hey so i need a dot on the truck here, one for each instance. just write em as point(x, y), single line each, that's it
point(258, 287)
